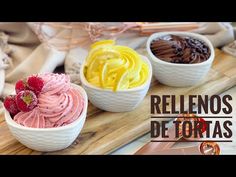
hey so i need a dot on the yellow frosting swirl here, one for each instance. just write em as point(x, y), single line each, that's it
point(114, 67)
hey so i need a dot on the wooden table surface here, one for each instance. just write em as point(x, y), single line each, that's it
point(104, 132)
point(225, 148)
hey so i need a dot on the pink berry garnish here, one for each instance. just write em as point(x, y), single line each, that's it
point(20, 86)
point(26, 100)
point(35, 84)
point(10, 105)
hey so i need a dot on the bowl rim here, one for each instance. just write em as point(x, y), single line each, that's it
point(12, 123)
point(87, 84)
point(181, 33)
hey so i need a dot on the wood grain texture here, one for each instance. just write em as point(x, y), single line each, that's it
point(104, 131)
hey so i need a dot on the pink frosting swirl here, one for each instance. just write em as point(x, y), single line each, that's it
point(58, 104)
point(55, 83)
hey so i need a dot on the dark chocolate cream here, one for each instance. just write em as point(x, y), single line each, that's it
point(178, 49)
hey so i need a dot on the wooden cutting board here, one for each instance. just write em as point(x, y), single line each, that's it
point(104, 132)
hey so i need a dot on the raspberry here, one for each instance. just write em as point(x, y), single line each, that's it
point(20, 85)
point(26, 100)
point(35, 84)
point(10, 105)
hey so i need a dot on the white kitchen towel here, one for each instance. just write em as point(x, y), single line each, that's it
point(219, 34)
point(230, 48)
point(2, 74)
point(28, 55)
point(5, 61)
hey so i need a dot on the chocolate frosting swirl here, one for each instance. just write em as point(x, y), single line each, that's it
point(177, 49)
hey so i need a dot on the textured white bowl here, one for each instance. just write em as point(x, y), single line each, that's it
point(49, 139)
point(179, 75)
point(119, 101)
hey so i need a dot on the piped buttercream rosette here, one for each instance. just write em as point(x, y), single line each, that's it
point(59, 104)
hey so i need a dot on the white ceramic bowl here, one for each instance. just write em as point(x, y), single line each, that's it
point(49, 139)
point(119, 101)
point(179, 75)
